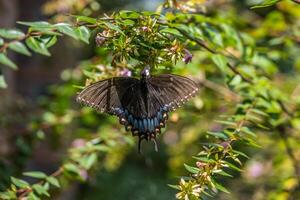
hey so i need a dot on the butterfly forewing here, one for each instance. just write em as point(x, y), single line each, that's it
point(172, 90)
point(106, 94)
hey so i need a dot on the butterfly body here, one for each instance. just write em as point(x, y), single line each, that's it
point(142, 105)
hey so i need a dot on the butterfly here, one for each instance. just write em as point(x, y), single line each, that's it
point(142, 105)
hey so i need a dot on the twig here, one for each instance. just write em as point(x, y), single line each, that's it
point(231, 67)
point(29, 34)
point(289, 151)
point(202, 44)
point(24, 192)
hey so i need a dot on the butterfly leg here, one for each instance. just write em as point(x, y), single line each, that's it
point(155, 144)
point(141, 138)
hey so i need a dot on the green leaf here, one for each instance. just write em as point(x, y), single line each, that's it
point(9, 195)
point(6, 61)
point(248, 131)
point(191, 169)
point(253, 118)
point(38, 24)
point(221, 188)
point(128, 22)
point(129, 14)
point(11, 34)
point(37, 46)
point(83, 33)
point(203, 159)
point(2, 82)
point(53, 181)
point(171, 31)
point(91, 159)
point(1, 41)
point(114, 27)
point(101, 147)
point(89, 74)
point(213, 35)
point(51, 41)
point(176, 187)
point(72, 168)
point(85, 19)
point(252, 143)
point(218, 134)
point(259, 112)
point(66, 29)
point(266, 3)
point(240, 153)
point(236, 80)
point(19, 47)
point(40, 190)
point(32, 196)
point(220, 60)
point(19, 183)
point(226, 122)
point(39, 175)
point(232, 166)
point(221, 172)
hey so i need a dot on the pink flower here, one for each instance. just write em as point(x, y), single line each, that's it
point(144, 28)
point(77, 143)
point(255, 169)
point(187, 56)
point(126, 73)
point(100, 40)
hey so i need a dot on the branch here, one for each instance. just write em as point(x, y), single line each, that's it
point(231, 67)
point(29, 34)
point(22, 193)
point(202, 44)
point(212, 161)
point(290, 153)
point(296, 1)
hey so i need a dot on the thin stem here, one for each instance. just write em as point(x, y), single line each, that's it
point(202, 44)
point(296, 165)
point(24, 192)
point(29, 34)
point(231, 67)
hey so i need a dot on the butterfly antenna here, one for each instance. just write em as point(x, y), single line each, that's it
point(155, 144)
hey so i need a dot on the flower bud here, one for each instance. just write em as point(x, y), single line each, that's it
point(77, 143)
point(200, 164)
point(187, 56)
point(145, 29)
point(100, 40)
point(125, 72)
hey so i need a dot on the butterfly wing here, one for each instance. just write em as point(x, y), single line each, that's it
point(141, 105)
point(171, 91)
point(106, 95)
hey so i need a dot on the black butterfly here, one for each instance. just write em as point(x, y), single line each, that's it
point(142, 105)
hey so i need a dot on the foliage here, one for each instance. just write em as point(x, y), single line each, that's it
point(242, 65)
